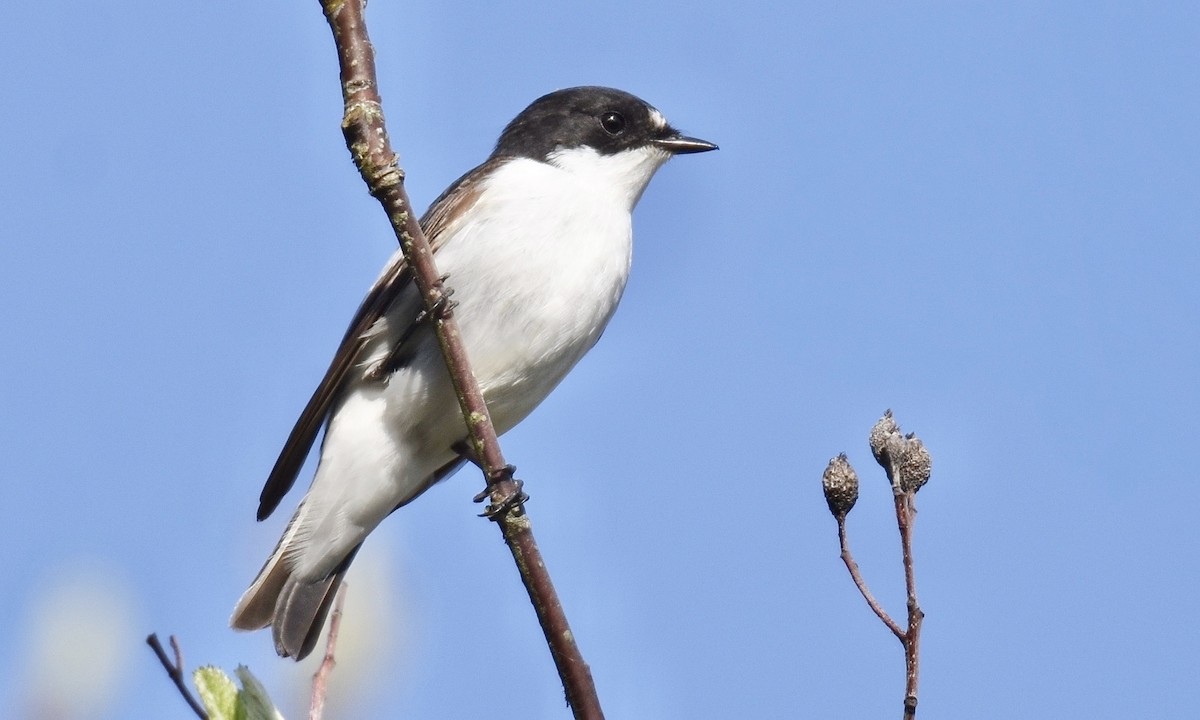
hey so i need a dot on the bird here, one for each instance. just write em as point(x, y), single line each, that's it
point(537, 244)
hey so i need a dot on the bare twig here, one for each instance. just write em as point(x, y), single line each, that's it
point(861, 584)
point(905, 509)
point(175, 671)
point(366, 137)
point(321, 676)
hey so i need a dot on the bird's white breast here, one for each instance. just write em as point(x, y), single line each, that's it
point(538, 271)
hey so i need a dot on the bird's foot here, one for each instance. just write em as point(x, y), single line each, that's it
point(514, 501)
point(442, 308)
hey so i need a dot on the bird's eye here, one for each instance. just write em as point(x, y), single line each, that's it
point(612, 122)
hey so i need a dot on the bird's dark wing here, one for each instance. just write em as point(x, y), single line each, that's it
point(295, 450)
point(442, 216)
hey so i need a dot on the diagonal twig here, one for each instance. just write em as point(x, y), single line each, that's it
point(366, 137)
point(321, 676)
point(175, 671)
point(861, 584)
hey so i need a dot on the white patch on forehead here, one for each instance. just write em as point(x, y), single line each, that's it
point(657, 119)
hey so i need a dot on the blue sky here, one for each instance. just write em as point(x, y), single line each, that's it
point(984, 216)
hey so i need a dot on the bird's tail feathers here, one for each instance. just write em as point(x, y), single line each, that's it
point(301, 609)
point(295, 608)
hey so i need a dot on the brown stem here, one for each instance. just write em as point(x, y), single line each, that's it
point(321, 676)
point(175, 671)
point(861, 584)
point(366, 137)
point(905, 509)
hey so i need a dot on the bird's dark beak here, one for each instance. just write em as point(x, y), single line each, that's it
point(679, 145)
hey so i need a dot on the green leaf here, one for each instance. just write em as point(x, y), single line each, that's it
point(254, 698)
point(218, 693)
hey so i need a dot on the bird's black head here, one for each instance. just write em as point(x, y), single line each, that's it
point(606, 120)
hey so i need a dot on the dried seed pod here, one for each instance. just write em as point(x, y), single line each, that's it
point(914, 465)
point(841, 486)
point(887, 444)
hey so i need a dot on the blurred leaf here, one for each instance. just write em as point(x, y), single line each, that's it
point(218, 693)
point(224, 701)
point(254, 698)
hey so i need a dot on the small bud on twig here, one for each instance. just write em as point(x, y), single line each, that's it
point(841, 486)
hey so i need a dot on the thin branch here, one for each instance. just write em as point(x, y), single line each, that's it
point(321, 676)
point(366, 137)
point(861, 584)
point(905, 509)
point(175, 671)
